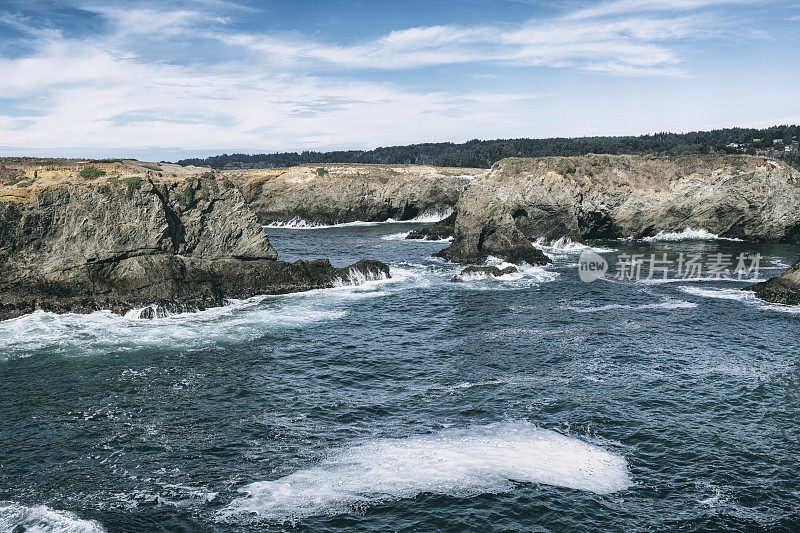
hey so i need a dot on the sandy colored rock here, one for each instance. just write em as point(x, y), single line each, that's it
point(331, 194)
point(600, 196)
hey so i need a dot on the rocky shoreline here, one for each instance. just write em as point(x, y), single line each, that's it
point(172, 238)
point(175, 238)
point(336, 194)
point(599, 196)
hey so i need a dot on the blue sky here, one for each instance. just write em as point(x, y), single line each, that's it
point(162, 80)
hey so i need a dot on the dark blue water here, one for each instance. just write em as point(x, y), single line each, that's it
point(535, 402)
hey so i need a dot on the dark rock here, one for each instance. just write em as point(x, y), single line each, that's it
point(437, 231)
point(483, 272)
point(174, 244)
point(784, 289)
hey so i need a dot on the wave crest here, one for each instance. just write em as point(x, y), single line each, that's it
point(455, 462)
point(43, 519)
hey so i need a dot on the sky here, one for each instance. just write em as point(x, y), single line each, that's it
point(162, 80)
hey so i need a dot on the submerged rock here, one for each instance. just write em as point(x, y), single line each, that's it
point(481, 272)
point(339, 193)
point(437, 231)
point(599, 196)
point(784, 289)
point(125, 241)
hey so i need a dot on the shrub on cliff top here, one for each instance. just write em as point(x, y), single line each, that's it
point(91, 173)
point(153, 167)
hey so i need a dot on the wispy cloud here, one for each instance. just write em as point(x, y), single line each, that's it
point(285, 90)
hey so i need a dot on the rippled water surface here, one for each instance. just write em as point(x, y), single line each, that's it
point(534, 402)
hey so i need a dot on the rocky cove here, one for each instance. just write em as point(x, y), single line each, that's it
point(169, 237)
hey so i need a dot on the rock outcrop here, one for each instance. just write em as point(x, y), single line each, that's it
point(136, 237)
point(599, 196)
point(437, 231)
point(482, 272)
point(784, 289)
point(333, 194)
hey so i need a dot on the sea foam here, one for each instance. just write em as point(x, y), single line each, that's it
point(299, 223)
point(239, 321)
point(43, 519)
point(455, 462)
point(688, 234)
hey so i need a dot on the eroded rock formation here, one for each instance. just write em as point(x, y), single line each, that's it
point(600, 196)
point(136, 236)
point(333, 194)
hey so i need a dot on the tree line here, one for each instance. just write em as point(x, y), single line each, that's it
point(476, 153)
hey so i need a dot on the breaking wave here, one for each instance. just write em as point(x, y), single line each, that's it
point(454, 462)
point(43, 519)
point(299, 223)
point(747, 297)
point(566, 246)
point(239, 321)
point(688, 234)
point(668, 303)
point(403, 234)
point(357, 278)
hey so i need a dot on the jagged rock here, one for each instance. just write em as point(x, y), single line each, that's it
point(784, 289)
point(479, 272)
point(437, 231)
point(331, 194)
point(600, 196)
point(180, 242)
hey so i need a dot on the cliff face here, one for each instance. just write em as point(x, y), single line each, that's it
point(345, 193)
point(123, 241)
point(598, 196)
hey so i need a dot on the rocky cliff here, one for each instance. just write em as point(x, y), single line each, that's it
point(599, 196)
point(137, 235)
point(346, 193)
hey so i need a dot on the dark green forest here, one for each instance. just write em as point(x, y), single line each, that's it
point(777, 141)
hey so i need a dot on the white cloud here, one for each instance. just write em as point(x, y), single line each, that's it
point(292, 92)
point(617, 7)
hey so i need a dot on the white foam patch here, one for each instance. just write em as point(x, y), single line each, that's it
point(477, 276)
point(240, 321)
point(667, 304)
point(454, 462)
point(299, 223)
point(402, 236)
point(747, 297)
point(526, 274)
point(43, 519)
point(565, 246)
point(724, 294)
point(688, 234)
point(396, 236)
point(658, 281)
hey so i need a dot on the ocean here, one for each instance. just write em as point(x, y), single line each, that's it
point(533, 402)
